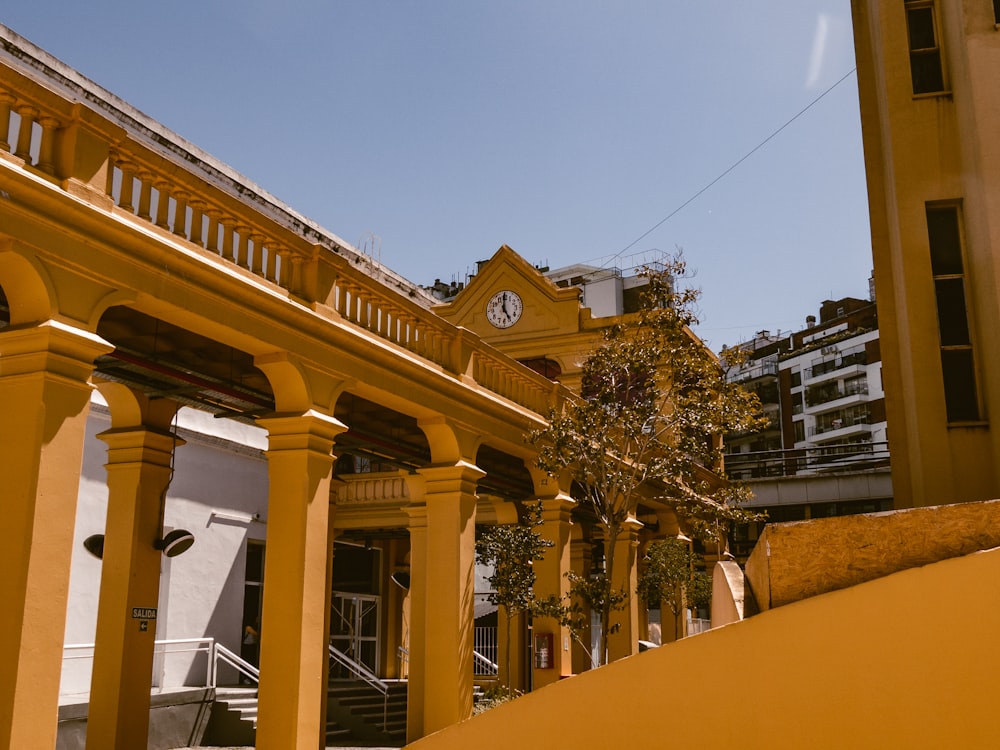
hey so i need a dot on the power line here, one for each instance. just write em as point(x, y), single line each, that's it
point(733, 166)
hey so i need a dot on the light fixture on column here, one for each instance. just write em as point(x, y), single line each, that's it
point(94, 544)
point(175, 542)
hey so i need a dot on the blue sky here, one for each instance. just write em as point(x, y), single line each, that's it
point(563, 128)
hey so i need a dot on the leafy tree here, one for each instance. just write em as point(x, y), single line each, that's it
point(699, 591)
point(653, 407)
point(669, 578)
point(668, 567)
point(510, 550)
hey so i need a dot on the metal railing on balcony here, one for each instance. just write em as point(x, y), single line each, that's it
point(847, 359)
point(745, 374)
point(838, 420)
point(843, 458)
point(831, 391)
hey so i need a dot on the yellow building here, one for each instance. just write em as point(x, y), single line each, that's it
point(143, 284)
point(930, 106)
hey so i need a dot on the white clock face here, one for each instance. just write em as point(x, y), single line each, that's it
point(504, 309)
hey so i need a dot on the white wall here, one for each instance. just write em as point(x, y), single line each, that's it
point(219, 485)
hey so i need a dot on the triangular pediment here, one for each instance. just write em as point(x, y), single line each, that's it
point(545, 309)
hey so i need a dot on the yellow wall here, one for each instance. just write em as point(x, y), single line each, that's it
point(907, 661)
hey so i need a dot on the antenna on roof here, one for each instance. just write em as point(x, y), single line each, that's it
point(370, 244)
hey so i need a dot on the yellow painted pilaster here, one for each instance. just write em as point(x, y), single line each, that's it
point(44, 372)
point(416, 658)
point(448, 590)
point(395, 616)
point(331, 538)
point(517, 678)
point(293, 651)
point(140, 447)
point(625, 641)
point(550, 579)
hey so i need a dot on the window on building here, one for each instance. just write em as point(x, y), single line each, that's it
point(855, 386)
point(957, 361)
point(925, 54)
point(996, 10)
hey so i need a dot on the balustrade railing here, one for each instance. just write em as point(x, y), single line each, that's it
point(381, 487)
point(87, 142)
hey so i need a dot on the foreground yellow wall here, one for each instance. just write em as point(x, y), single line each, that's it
point(906, 661)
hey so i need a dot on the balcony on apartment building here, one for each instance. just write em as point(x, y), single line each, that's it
point(836, 365)
point(832, 395)
point(841, 424)
point(756, 371)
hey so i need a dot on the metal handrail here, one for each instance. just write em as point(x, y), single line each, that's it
point(404, 656)
point(358, 669)
point(482, 661)
point(241, 665)
point(200, 645)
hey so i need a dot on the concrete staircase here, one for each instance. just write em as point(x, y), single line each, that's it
point(356, 713)
point(233, 720)
point(369, 716)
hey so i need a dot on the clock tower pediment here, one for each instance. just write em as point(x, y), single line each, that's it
point(509, 299)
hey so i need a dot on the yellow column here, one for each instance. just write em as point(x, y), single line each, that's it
point(140, 447)
point(331, 538)
point(517, 678)
point(550, 578)
point(45, 395)
point(394, 621)
point(293, 651)
point(447, 593)
point(416, 660)
point(625, 641)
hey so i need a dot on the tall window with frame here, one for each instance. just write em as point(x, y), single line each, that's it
point(944, 232)
point(924, 38)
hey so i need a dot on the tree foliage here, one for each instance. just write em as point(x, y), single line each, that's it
point(510, 550)
point(653, 407)
point(668, 568)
